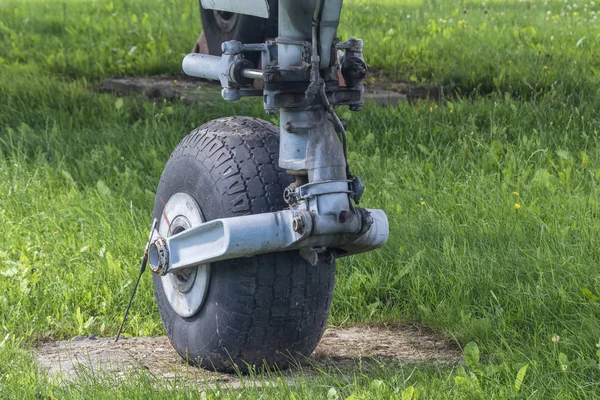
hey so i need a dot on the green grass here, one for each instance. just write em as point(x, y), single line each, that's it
point(517, 47)
point(78, 172)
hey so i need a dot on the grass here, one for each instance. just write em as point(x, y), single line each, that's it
point(78, 171)
point(517, 47)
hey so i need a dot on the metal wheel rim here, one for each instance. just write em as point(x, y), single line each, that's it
point(185, 291)
point(226, 21)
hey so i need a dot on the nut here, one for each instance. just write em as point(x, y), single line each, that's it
point(298, 224)
point(158, 256)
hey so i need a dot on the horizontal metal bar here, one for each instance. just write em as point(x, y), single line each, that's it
point(375, 237)
point(203, 66)
point(252, 74)
point(236, 237)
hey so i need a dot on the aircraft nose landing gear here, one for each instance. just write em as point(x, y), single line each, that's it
point(251, 217)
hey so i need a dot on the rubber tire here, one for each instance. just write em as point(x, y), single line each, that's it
point(248, 29)
point(258, 309)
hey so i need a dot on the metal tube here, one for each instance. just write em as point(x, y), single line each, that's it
point(294, 22)
point(202, 66)
point(309, 145)
point(252, 74)
point(228, 238)
point(375, 237)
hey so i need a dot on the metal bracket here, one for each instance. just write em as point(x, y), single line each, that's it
point(235, 237)
point(311, 190)
point(300, 82)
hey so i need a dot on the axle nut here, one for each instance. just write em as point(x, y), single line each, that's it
point(158, 256)
point(298, 224)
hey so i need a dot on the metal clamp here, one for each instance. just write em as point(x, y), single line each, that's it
point(311, 190)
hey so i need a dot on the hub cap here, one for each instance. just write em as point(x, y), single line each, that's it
point(185, 290)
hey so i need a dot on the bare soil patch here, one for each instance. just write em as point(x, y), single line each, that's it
point(380, 82)
point(339, 348)
point(380, 90)
point(181, 87)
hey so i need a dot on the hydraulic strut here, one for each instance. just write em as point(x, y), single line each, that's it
point(300, 78)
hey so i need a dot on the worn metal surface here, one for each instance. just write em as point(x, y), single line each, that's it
point(228, 238)
point(375, 237)
point(209, 67)
point(301, 83)
point(309, 145)
point(328, 28)
point(234, 237)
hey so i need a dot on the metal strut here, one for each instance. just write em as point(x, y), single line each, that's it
point(300, 82)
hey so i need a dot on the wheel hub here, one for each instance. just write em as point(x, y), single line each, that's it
point(225, 20)
point(185, 290)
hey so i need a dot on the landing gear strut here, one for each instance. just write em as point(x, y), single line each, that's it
point(251, 217)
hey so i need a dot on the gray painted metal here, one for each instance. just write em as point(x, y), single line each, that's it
point(252, 74)
point(223, 68)
point(328, 28)
point(321, 216)
point(236, 237)
point(309, 145)
point(295, 22)
point(209, 67)
point(258, 8)
point(329, 202)
point(373, 238)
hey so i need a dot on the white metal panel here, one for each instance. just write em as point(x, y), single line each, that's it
point(258, 8)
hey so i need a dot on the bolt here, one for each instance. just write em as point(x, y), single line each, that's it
point(271, 75)
point(289, 193)
point(289, 127)
point(298, 224)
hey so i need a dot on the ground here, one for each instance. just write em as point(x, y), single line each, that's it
point(339, 348)
point(380, 90)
